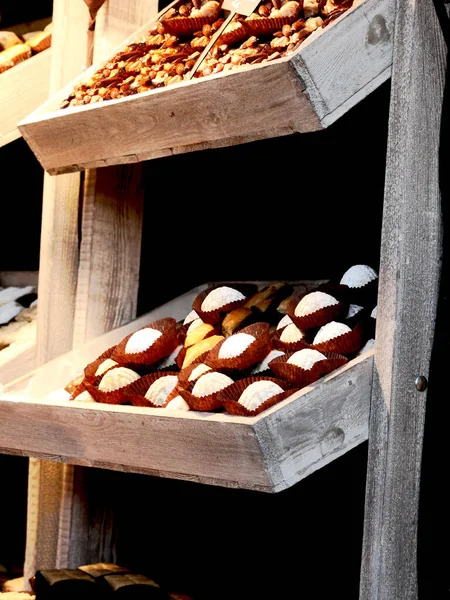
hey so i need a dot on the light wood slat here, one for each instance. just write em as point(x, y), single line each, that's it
point(57, 285)
point(269, 452)
point(334, 69)
point(22, 89)
point(410, 252)
point(108, 278)
point(333, 81)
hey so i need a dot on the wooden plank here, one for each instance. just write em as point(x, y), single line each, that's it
point(108, 278)
point(269, 452)
point(411, 249)
point(173, 117)
point(328, 419)
point(333, 82)
point(57, 285)
point(22, 89)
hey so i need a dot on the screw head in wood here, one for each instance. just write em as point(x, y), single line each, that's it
point(421, 383)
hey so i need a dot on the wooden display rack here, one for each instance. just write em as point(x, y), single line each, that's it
point(95, 291)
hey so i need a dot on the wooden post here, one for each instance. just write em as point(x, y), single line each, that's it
point(87, 290)
point(48, 483)
point(410, 266)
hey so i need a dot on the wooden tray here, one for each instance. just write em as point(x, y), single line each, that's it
point(332, 70)
point(269, 452)
point(22, 89)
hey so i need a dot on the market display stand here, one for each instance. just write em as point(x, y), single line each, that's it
point(97, 292)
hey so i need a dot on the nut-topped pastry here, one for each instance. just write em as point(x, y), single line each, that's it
point(165, 56)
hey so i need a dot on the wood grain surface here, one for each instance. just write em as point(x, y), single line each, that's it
point(58, 270)
point(410, 253)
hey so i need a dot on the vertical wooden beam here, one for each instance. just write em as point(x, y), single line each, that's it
point(410, 266)
point(49, 483)
point(108, 277)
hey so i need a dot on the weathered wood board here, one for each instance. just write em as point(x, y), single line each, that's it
point(411, 252)
point(331, 71)
point(22, 89)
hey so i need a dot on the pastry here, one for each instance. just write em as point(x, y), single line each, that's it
point(116, 378)
point(8, 39)
point(15, 54)
point(197, 331)
point(259, 392)
point(210, 383)
point(264, 364)
point(159, 390)
point(305, 358)
point(41, 41)
point(200, 348)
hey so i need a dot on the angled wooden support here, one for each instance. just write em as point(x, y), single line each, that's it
point(410, 269)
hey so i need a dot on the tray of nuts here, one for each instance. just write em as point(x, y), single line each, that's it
point(165, 55)
point(210, 73)
point(274, 30)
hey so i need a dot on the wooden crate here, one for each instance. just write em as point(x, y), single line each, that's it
point(22, 89)
point(331, 71)
point(269, 452)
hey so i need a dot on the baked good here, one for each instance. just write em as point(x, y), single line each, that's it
point(210, 383)
point(40, 41)
point(200, 348)
point(117, 378)
point(159, 390)
point(305, 358)
point(8, 39)
point(15, 54)
point(259, 392)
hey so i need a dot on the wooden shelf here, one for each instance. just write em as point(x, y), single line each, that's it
point(334, 69)
point(22, 89)
point(269, 452)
